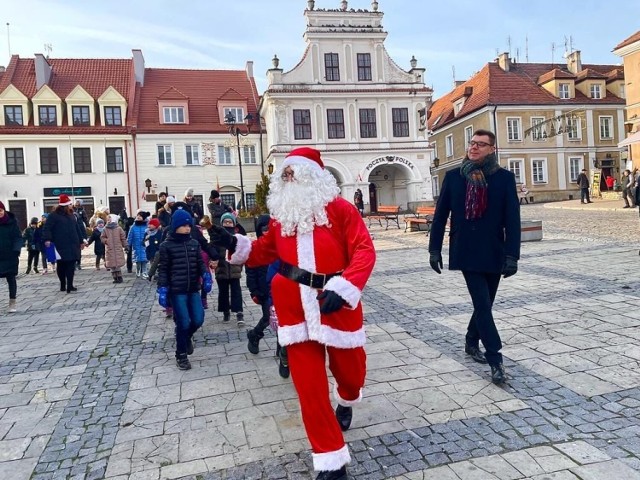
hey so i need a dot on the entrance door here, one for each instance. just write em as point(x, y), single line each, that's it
point(19, 209)
point(116, 205)
point(373, 198)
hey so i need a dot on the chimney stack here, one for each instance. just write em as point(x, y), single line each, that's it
point(138, 66)
point(504, 61)
point(574, 63)
point(43, 70)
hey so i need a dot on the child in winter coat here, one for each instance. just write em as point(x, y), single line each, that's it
point(115, 242)
point(228, 277)
point(135, 240)
point(33, 249)
point(98, 246)
point(152, 239)
point(179, 275)
point(37, 238)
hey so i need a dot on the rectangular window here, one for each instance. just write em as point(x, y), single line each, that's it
point(573, 127)
point(400, 119)
point(575, 164)
point(516, 166)
point(192, 154)
point(48, 160)
point(224, 155)
point(249, 155)
point(250, 200)
point(173, 114)
point(435, 186)
point(595, 90)
point(468, 135)
point(368, 123)
point(513, 129)
point(606, 128)
point(80, 115)
point(563, 90)
point(302, 124)
point(15, 161)
point(364, 67)
point(538, 133)
point(622, 91)
point(164, 155)
point(47, 115)
point(539, 170)
point(335, 122)
point(448, 145)
point(82, 160)
point(13, 115)
point(115, 162)
point(331, 67)
point(236, 112)
point(112, 116)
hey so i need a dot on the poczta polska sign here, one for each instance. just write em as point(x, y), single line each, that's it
point(565, 123)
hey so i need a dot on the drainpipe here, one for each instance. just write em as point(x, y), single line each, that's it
point(495, 128)
point(135, 162)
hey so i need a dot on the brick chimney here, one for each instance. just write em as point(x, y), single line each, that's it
point(43, 70)
point(574, 63)
point(504, 62)
point(138, 66)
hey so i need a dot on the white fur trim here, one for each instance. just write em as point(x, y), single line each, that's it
point(347, 290)
point(342, 401)
point(298, 160)
point(341, 339)
point(290, 334)
point(308, 295)
point(66, 204)
point(243, 249)
point(331, 461)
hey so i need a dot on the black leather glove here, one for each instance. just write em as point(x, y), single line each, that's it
point(435, 260)
point(510, 267)
point(332, 301)
point(219, 236)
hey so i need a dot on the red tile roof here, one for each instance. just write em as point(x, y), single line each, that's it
point(628, 41)
point(553, 74)
point(203, 89)
point(589, 73)
point(518, 86)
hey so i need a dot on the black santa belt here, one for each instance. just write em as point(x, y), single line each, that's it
point(305, 277)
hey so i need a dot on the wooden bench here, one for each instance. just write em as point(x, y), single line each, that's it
point(422, 216)
point(387, 213)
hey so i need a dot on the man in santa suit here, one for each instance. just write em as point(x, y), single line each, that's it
point(326, 257)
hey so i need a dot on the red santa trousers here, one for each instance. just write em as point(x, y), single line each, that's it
point(309, 374)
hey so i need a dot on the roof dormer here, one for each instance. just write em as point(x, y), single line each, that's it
point(615, 83)
point(15, 107)
point(559, 83)
point(81, 110)
point(47, 108)
point(113, 108)
point(173, 107)
point(591, 84)
point(232, 102)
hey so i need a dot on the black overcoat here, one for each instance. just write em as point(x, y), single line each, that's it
point(65, 233)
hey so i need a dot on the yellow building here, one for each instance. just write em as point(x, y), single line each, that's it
point(551, 121)
point(629, 50)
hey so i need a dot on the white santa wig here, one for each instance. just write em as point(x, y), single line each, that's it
point(300, 203)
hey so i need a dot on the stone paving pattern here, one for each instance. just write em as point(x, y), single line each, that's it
point(90, 389)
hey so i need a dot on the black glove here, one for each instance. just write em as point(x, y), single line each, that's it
point(219, 236)
point(332, 301)
point(435, 260)
point(510, 267)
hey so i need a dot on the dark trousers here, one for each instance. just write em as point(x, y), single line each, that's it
point(66, 270)
point(44, 260)
point(584, 195)
point(482, 288)
point(627, 196)
point(129, 261)
point(229, 288)
point(188, 316)
point(13, 286)
point(263, 323)
point(32, 260)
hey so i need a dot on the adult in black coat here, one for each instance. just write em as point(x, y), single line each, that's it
point(63, 230)
point(10, 245)
point(484, 239)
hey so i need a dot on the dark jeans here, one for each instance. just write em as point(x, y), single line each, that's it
point(44, 259)
point(584, 195)
point(32, 259)
point(263, 323)
point(229, 288)
point(482, 288)
point(627, 197)
point(188, 316)
point(13, 286)
point(66, 270)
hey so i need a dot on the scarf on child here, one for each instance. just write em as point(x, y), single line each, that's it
point(476, 198)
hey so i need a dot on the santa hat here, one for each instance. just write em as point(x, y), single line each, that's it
point(303, 156)
point(64, 200)
point(154, 222)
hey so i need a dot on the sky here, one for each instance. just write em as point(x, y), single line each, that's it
point(451, 39)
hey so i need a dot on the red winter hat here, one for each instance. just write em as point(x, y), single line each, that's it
point(155, 222)
point(64, 200)
point(303, 155)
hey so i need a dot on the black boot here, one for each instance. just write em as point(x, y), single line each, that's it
point(283, 367)
point(183, 362)
point(344, 416)
point(498, 375)
point(475, 353)
point(254, 341)
point(333, 474)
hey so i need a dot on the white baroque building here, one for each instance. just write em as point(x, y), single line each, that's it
point(349, 99)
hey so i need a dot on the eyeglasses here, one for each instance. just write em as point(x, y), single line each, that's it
point(286, 175)
point(473, 143)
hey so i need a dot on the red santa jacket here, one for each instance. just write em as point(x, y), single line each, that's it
point(343, 246)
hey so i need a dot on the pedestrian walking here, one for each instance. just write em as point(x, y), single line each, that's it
point(30, 243)
point(358, 201)
point(37, 238)
point(323, 246)
point(135, 240)
point(10, 245)
point(228, 277)
point(63, 229)
point(583, 183)
point(115, 243)
point(627, 185)
point(484, 241)
point(98, 246)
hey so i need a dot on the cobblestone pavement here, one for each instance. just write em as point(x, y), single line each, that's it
point(89, 388)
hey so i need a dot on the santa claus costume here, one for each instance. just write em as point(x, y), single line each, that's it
point(324, 246)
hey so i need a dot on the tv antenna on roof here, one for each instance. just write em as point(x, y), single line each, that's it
point(48, 48)
point(8, 39)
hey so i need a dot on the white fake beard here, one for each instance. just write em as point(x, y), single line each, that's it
point(299, 205)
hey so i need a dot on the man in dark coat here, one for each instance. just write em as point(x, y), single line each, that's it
point(216, 207)
point(484, 239)
point(583, 183)
point(10, 245)
point(64, 231)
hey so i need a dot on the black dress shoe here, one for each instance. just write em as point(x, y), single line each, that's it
point(498, 376)
point(71, 289)
point(475, 353)
point(333, 474)
point(344, 416)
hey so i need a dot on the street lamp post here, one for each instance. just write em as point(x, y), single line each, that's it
point(234, 129)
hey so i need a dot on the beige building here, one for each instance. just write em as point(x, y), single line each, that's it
point(551, 121)
point(629, 50)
